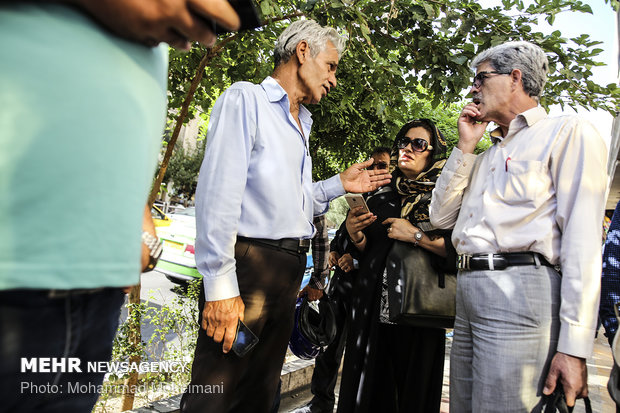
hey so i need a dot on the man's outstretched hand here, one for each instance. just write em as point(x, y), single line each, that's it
point(176, 22)
point(357, 179)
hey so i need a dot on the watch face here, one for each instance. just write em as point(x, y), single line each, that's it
point(418, 236)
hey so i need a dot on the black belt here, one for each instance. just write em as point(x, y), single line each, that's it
point(298, 246)
point(500, 261)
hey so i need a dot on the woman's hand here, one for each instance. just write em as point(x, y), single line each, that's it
point(403, 230)
point(333, 258)
point(400, 229)
point(357, 220)
point(346, 263)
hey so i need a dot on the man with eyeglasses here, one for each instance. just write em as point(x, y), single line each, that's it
point(527, 219)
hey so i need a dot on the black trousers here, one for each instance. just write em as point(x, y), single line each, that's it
point(328, 361)
point(269, 280)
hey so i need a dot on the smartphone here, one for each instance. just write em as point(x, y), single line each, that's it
point(248, 14)
point(356, 200)
point(245, 340)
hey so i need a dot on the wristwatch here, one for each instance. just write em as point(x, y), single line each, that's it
point(154, 245)
point(417, 237)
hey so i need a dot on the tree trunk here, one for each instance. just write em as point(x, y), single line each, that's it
point(129, 389)
point(177, 128)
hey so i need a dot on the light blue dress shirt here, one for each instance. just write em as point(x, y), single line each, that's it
point(255, 180)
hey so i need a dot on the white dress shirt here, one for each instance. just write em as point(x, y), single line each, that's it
point(255, 180)
point(540, 188)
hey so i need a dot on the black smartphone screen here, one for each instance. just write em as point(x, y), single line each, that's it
point(248, 14)
point(244, 341)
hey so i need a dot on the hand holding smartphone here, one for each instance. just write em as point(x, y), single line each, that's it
point(245, 340)
point(356, 200)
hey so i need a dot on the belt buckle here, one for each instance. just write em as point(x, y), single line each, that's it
point(463, 262)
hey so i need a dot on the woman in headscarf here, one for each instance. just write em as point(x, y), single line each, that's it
point(392, 367)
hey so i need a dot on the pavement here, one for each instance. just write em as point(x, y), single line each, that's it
point(297, 374)
point(599, 367)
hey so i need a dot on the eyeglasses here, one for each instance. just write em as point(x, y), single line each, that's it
point(481, 76)
point(378, 165)
point(417, 144)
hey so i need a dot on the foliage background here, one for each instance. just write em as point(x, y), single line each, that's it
point(404, 59)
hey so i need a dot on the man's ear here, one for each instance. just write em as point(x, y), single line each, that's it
point(303, 51)
point(517, 78)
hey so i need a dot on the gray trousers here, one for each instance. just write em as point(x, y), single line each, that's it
point(505, 334)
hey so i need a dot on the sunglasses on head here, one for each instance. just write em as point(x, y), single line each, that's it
point(379, 165)
point(417, 144)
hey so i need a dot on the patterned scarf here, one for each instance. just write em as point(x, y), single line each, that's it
point(416, 193)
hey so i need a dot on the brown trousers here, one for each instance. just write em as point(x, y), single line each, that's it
point(269, 280)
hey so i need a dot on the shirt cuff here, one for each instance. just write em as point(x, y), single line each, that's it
point(221, 287)
point(332, 187)
point(576, 341)
point(460, 163)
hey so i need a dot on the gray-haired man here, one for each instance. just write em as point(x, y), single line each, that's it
point(530, 204)
point(255, 203)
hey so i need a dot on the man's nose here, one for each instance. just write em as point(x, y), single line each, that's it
point(332, 81)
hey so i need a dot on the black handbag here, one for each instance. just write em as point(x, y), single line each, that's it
point(418, 294)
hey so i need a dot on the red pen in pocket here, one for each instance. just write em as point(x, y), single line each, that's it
point(507, 163)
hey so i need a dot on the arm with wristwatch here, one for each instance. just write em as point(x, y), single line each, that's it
point(403, 230)
point(151, 245)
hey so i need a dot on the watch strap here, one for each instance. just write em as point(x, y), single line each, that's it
point(155, 246)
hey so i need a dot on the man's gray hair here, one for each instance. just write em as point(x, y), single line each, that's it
point(527, 57)
point(313, 33)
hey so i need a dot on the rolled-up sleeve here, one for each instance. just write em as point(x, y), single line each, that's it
point(578, 169)
point(449, 189)
point(220, 189)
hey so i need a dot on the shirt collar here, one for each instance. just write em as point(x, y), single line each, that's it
point(530, 116)
point(276, 93)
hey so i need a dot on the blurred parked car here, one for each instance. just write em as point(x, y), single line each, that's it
point(178, 262)
point(160, 219)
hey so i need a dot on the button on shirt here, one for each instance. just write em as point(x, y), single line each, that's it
point(255, 180)
point(540, 188)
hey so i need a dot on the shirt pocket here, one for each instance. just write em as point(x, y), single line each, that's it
point(523, 182)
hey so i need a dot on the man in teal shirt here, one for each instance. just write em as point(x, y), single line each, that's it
point(83, 98)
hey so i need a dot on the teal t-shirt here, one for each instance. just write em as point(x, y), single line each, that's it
point(81, 119)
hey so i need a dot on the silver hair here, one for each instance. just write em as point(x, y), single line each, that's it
point(527, 57)
point(313, 33)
